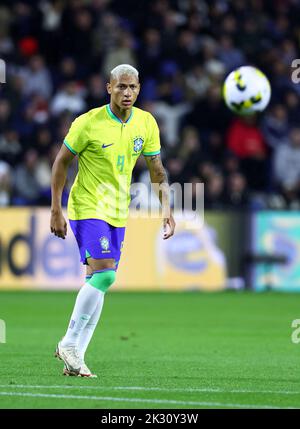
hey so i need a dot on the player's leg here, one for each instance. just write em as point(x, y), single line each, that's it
point(88, 331)
point(116, 239)
point(96, 247)
point(77, 331)
point(87, 300)
point(80, 346)
point(85, 306)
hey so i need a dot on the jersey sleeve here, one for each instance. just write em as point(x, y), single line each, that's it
point(152, 144)
point(77, 138)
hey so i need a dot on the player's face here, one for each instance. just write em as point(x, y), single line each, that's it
point(124, 91)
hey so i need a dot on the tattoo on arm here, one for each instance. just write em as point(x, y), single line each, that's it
point(159, 181)
point(156, 169)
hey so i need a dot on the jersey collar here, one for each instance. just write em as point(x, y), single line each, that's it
point(115, 118)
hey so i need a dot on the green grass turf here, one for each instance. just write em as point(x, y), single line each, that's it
point(234, 347)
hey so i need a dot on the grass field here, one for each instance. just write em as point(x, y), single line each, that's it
point(151, 350)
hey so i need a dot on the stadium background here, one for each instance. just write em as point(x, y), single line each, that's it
point(165, 347)
point(58, 55)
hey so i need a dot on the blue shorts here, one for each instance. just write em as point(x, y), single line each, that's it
point(98, 239)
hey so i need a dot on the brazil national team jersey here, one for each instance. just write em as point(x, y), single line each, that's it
point(107, 151)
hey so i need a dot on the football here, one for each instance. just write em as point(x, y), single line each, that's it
point(246, 90)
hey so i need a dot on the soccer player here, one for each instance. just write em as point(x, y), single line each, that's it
point(107, 141)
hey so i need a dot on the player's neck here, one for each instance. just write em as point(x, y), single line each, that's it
point(122, 114)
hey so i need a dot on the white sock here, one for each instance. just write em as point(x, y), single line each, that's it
point(87, 333)
point(85, 306)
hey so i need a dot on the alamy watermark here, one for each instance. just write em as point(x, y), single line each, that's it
point(2, 71)
point(2, 331)
point(296, 73)
point(152, 201)
point(296, 333)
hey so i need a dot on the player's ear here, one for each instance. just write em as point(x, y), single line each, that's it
point(108, 87)
point(137, 91)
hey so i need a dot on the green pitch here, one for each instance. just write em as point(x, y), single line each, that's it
point(151, 350)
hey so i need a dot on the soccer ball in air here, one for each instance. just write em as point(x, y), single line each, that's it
point(246, 91)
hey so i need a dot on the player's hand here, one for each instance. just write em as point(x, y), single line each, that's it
point(169, 227)
point(58, 224)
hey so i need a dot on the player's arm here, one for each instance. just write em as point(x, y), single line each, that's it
point(58, 224)
point(159, 179)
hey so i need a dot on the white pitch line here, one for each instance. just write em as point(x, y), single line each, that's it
point(148, 401)
point(149, 389)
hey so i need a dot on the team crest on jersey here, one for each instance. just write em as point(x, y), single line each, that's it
point(104, 242)
point(138, 144)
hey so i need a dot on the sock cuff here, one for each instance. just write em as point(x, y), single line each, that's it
point(103, 279)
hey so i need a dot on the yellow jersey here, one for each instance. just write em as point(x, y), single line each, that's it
point(107, 151)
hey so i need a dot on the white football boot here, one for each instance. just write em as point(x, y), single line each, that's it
point(83, 372)
point(71, 358)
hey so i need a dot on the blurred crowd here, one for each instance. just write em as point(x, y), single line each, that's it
point(58, 56)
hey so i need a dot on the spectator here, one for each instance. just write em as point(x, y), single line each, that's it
point(209, 113)
point(6, 43)
point(229, 55)
point(10, 147)
point(194, 195)
point(5, 114)
point(215, 148)
point(106, 34)
point(39, 109)
point(68, 99)
point(237, 196)
point(275, 126)
point(206, 171)
point(231, 164)
point(5, 184)
point(287, 167)
point(13, 93)
point(214, 192)
point(292, 103)
point(169, 118)
point(197, 82)
point(52, 14)
point(151, 53)
point(43, 140)
point(67, 71)
point(36, 78)
point(24, 124)
point(26, 186)
point(96, 95)
point(79, 41)
point(123, 53)
point(188, 48)
point(190, 148)
point(247, 142)
point(175, 169)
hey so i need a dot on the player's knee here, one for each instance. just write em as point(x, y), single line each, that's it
point(103, 280)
